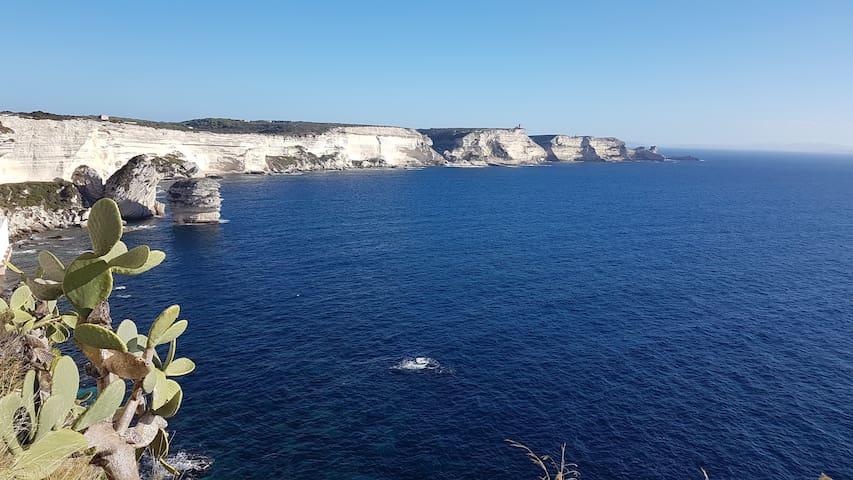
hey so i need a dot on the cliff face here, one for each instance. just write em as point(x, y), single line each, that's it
point(44, 149)
point(488, 147)
point(563, 148)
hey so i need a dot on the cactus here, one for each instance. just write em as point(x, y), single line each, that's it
point(104, 407)
point(104, 226)
point(59, 423)
point(47, 454)
point(96, 336)
point(179, 367)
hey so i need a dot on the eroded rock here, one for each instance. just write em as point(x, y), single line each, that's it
point(89, 183)
point(194, 200)
point(134, 188)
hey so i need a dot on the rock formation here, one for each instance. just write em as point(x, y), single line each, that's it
point(492, 146)
point(194, 200)
point(563, 148)
point(647, 154)
point(89, 184)
point(134, 188)
point(38, 206)
point(44, 147)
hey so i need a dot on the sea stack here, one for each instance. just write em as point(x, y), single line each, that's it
point(194, 200)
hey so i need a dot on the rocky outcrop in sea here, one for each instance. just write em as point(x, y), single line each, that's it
point(194, 200)
point(134, 188)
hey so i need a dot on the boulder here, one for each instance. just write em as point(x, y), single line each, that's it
point(89, 183)
point(134, 188)
point(194, 200)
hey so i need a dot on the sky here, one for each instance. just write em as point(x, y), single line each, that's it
point(674, 73)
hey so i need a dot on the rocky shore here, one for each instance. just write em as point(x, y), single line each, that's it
point(40, 151)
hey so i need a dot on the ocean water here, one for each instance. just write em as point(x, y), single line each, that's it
point(654, 317)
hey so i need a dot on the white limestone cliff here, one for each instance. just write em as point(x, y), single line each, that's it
point(44, 149)
point(495, 146)
point(564, 148)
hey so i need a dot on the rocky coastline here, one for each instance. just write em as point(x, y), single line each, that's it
point(40, 153)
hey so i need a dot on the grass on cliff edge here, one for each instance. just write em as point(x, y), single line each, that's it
point(50, 195)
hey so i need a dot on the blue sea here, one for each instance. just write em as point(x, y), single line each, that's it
point(657, 318)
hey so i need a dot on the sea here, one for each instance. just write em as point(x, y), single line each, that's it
point(657, 319)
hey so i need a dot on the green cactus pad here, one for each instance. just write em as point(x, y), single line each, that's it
point(87, 283)
point(170, 355)
point(9, 404)
point(118, 249)
point(180, 366)
point(154, 377)
point(51, 266)
point(132, 259)
point(96, 336)
point(13, 268)
point(164, 392)
point(127, 365)
point(64, 385)
point(126, 330)
point(104, 407)
point(162, 324)
point(52, 413)
point(44, 289)
point(22, 297)
point(171, 406)
point(69, 319)
point(155, 257)
point(20, 317)
point(137, 345)
point(57, 333)
point(28, 398)
point(173, 332)
point(104, 226)
point(65, 379)
point(47, 454)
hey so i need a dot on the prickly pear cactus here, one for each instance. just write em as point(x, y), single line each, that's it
point(115, 426)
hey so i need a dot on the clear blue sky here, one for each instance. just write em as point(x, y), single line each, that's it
point(668, 72)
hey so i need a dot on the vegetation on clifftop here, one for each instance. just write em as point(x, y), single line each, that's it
point(214, 125)
point(55, 195)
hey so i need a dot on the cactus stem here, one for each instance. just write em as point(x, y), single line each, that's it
point(135, 398)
